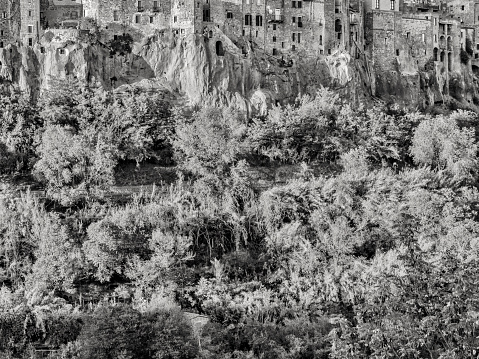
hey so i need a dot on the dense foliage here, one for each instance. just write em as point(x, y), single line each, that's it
point(368, 250)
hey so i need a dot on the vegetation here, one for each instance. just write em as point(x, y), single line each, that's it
point(368, 250)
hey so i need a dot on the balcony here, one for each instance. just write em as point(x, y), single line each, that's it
point(140, 9)
point(276, 19)
point(155, 9)
point(300, 24)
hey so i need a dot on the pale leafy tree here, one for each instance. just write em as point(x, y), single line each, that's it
point(17, 244)
point(70, 164)
point(170, 254)
point(440, 143)
point(58, 258)
point(355, 162)
point(210, 143)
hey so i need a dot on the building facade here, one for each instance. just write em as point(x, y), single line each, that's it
point(385, 31)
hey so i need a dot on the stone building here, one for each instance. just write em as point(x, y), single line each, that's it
point(390, 33)
point(60, 13)
point(29, 22)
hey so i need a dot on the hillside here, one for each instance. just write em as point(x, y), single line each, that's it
point(156, 230)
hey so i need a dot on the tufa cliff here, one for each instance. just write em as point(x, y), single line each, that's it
point(213, 69)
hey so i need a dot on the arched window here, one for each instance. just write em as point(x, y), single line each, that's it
point(219, 49)
point(435, 54)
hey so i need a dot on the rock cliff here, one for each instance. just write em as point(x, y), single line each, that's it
point(211, 68)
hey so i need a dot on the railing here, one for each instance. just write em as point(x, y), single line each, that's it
point(155, 9)
point(276, 19)
point(140, 9)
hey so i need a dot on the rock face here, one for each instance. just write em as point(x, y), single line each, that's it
point(213, 69)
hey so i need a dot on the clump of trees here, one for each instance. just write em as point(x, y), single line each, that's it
point(375, 257)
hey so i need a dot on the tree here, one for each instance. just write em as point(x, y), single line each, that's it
point(69, 161)
point(19, 130)
point(210, 143)
point(440, 143)
point(113, 331)
point(117, 331)
point(57, 257)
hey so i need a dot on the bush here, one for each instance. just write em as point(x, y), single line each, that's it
point(440, 143)
point(72, 164)
point(210, 143)
point(117, 331)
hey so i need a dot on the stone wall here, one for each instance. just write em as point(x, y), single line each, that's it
point(29, 22)
point(9, 22)
point(61, 13)
point(417, 39)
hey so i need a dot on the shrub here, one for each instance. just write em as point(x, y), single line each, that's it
point(70, 162)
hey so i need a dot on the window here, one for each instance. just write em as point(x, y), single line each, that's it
point(206, 15)
point(397, 52)
point(277, 14)
point(30, 13)
point(4, 14)
point(151, 19)
point(1, 44)
point(275, 52)
point(282, 45)
point(293, 37)
point(248, 20)
point(1, 32)
point(274, 27)
point(293, 4)
point(435, 21)
point(259, 20)
point(300, 21)
point(62, 51)
point(321, 39)
point(155, 5)
point(462, 7)
point(477, 46)
point(229, 15)
point(274, 38)
point(293, 47)
point(139, 6)
point(30, 29)
point(299, 38)
point(175, 19)
point(393, 3)
point(115, 15)
point(30, 41)
point(293, 19)
point(435, 38)
point(300, 4)
point(407, 35)
point(137, 19)
point(377, 4)
point(256, 34)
